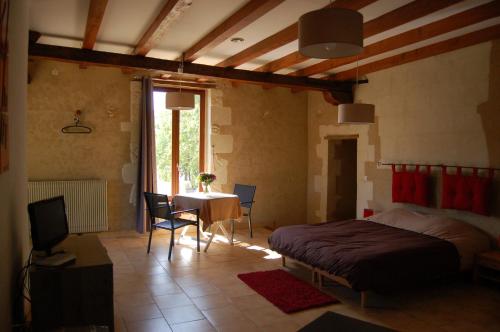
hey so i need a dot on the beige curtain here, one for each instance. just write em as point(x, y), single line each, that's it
point(147, 156)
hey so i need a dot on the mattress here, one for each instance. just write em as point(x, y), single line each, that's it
point(369, 255)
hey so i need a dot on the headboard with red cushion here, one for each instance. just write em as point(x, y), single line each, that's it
point(411, 187)
point(466, 192)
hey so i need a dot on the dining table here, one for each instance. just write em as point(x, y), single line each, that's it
point(214, 207)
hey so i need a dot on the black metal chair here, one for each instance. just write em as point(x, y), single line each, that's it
point(159, 207)
point(246, 193)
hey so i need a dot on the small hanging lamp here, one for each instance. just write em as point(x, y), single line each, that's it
point(356, 113)
point(180, 100)
point(331, 33)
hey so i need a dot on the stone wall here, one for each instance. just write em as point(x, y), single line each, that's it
point(103, 95)
point(260, 137)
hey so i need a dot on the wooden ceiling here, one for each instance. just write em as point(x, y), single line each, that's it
point(397, 32)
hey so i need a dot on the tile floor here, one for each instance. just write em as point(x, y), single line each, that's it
point(201, 292)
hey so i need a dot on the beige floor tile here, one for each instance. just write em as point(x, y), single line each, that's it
point(129, 287)
point(164, 289)
point(172, 300)
point(237, 290)
point(157, 279)
point(281, 326)
point(126, 278)
point(190, 280)
point(150, 270)
point(223, 279)
point(149, 325)
point(226, 316)
point(306, 316)
point(134, 299)
point(195, 326)
point(211, 301)
point(181, 272)
point(137, 313)
point(250, 301)
point(267, 315)
point(145, 262)
point(201, 290)
point(182, 314)
point(238, 326)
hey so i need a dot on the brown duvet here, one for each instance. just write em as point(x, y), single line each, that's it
point(370, 256)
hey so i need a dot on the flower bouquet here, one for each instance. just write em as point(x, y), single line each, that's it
point(205, 179)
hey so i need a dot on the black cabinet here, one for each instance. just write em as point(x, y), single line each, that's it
point(80, 294)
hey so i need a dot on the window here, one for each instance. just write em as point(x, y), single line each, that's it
point(180, 143)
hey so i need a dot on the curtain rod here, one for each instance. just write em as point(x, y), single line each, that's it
point(436, 165)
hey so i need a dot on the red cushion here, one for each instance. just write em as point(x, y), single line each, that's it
point(422, 189)
point(464, 192)
point(408, 187)
point(449, 191)
point(481, 195)
point(397, 187)
point(469, 193)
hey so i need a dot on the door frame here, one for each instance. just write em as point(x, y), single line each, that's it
point(331, 139)
point(176, 133)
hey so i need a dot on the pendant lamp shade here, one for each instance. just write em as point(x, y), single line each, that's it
point(331, 33)
point(179, 100)
point(356, 113)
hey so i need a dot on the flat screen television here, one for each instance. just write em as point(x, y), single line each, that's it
point(49, 224)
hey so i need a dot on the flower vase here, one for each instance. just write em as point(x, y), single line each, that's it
point(205, 187)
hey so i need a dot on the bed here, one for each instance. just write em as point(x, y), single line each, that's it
point(392, 250)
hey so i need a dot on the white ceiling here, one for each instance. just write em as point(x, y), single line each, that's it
point(125, 21)
point(62, 22)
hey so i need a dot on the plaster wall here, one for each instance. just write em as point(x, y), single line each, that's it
point(440, 110)
point(259, 137)
point(56, 91)
point(14, 234)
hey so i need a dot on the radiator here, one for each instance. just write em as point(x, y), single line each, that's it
point(86, 202)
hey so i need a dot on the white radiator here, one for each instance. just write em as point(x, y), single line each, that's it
point(86, 202)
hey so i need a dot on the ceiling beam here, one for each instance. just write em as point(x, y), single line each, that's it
point(94, 20)
point(288, 60)
point(405, 14)
point(247, 14)
point(34, 36)
point(170, 12)
point(454, 22)
point(281, 38)
point(390, 20)
point(449, 45)
point(341, 91)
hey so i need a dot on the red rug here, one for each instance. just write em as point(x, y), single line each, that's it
point(285, 291)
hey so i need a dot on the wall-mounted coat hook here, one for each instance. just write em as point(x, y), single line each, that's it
point(76, 128)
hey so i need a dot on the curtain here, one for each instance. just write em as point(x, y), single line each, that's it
point(147, 156)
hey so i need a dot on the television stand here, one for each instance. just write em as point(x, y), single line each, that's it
point(76, 295)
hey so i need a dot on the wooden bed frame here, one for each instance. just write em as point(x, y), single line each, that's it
point(318, 274)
